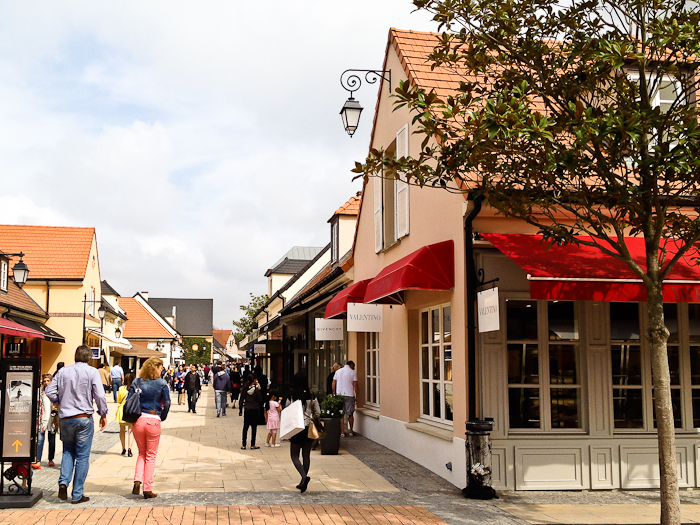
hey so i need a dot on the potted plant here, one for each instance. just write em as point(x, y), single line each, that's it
point(332, 419)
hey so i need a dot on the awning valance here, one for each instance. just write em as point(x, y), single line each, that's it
point(584, 273)
point(49, 335)
point(8, 327)
point(139, 351)
point(122, 342)
point(428, 268)
point(337, 308)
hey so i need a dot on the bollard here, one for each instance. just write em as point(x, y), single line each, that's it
point(478, 445)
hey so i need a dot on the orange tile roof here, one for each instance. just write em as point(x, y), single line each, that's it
point(52, 252)
point(413, 49)
point(16, 298)
point(351, 207)
point(141, 323)
point(222, 336)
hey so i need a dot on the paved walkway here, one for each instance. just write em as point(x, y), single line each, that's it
point(203, 477)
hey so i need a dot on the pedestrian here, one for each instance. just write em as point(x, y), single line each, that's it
point(77, 388)
point(206, 371)
point(155, 404)
point(301, 442)
point(200, 373)
point(180, 384)
point(104, 376)
point(345, 384)
point(47, 424)
point(193, 387)
point(222, 386)
point(235, 386)
point(125, 429)
point(116, 374)
point(329, 379)
point(59, 365)
point(250, 404)
point(263, 382)
point(272, 417)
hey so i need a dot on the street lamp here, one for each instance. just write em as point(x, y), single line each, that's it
point(101, 311)
point(352, 82)
point(118, 332)
point(20, 271)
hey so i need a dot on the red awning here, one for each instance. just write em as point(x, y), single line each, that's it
point(337, 308)
point(8, 327)
point(428, 268)
point(584, 273)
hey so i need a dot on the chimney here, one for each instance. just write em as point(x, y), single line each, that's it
point(144, 295)
point(174, 316)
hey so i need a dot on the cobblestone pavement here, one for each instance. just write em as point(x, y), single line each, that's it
point(215, 479)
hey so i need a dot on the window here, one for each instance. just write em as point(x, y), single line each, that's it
point(335, 240)
point(391, 210)
point(666, 92)
point(436, 363)
point(3, 275)
point(544, 383)
point(372, 369)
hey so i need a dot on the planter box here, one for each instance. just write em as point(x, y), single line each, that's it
point(331, 443)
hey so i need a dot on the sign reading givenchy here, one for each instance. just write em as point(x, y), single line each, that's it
point(329, 329)
point(365, 317)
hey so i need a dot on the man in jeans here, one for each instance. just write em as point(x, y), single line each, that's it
point(345, 384)
point(76, 388)
point(193, 386)
point(117, 376)
point(222, 387)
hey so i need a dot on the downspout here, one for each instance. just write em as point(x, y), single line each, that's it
point(471, 302)
point(48, 292)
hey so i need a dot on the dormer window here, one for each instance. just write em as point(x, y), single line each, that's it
point(335, 239)
point(3, 274)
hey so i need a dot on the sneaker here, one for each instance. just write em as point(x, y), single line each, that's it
point(342, 435)
point(218, 415)
point(267, 444)
point(350, 434)
point(277, 445)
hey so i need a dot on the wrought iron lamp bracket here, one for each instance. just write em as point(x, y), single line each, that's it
point(351, 78)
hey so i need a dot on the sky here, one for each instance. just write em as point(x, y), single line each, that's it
point(202, 140)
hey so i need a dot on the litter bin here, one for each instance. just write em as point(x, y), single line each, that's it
point(478, 445)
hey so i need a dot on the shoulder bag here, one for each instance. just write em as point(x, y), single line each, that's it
point(132, 407)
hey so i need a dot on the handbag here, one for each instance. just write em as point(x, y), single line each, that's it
point(313, 433)
point(132, 407)
point(291, 420)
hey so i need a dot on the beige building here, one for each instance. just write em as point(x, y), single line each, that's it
point(565, 374)
point(64, 280)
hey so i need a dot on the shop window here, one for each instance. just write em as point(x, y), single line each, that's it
point(3, 275)
point(694, 340)
point(554, 357)
point(436, 364)
point(372, 369)
point(626, 357)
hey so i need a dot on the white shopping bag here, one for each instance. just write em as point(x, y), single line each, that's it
point(292, 421)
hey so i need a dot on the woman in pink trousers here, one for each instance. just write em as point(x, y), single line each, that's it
point(155, 404)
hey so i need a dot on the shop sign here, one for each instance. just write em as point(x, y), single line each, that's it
point(329, 329)
point(259, 349)
point(19, 409)
point(216, 356)
point(487, 307)
point(365, 317)
point(95, 352)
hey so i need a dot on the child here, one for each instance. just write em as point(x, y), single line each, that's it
point(272, 417)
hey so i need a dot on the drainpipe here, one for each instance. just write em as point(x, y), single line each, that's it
point(471, 302)
point(48, 294)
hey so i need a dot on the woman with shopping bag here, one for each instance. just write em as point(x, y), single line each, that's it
point(302, 441)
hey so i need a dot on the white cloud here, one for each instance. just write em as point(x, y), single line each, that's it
point(202, 140)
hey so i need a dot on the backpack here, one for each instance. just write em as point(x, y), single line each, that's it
point(132, 407)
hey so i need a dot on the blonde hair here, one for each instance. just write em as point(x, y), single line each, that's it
point(149, 370)
point(335, 367)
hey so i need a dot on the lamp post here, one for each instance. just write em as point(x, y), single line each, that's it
point(101, 311)
point(351, 81)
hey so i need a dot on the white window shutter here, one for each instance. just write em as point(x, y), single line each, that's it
point(401, 207)
point(378, 226)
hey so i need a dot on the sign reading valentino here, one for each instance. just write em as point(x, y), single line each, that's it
point(487, 306)
point(364, 317)
point(329, 329)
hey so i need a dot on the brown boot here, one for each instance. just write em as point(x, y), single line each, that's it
point(137, 488)
point(147, 494)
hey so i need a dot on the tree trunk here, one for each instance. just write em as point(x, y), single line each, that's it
point(657, 335)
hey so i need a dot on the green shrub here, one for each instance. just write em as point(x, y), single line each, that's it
point(333, 406)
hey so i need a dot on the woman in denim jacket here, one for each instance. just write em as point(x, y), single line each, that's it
point(155, 404)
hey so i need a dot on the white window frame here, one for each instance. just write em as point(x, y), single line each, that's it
point(429, 377)
point(372, 369)
point(4, 265)
point(656, 100)
point(335, 239)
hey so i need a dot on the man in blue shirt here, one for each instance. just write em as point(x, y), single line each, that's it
point(76, 388)
point(116, 374)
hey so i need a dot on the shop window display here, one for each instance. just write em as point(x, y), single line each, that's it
point(436, 363)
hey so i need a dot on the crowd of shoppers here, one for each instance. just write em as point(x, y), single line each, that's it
point(69, 396)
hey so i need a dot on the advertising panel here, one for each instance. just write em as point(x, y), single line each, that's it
point(329, 329)
point(487, 307)
point(365, 317)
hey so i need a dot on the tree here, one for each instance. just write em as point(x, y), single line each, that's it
point(246, 323)
point(580, 119)
point(196, 350)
